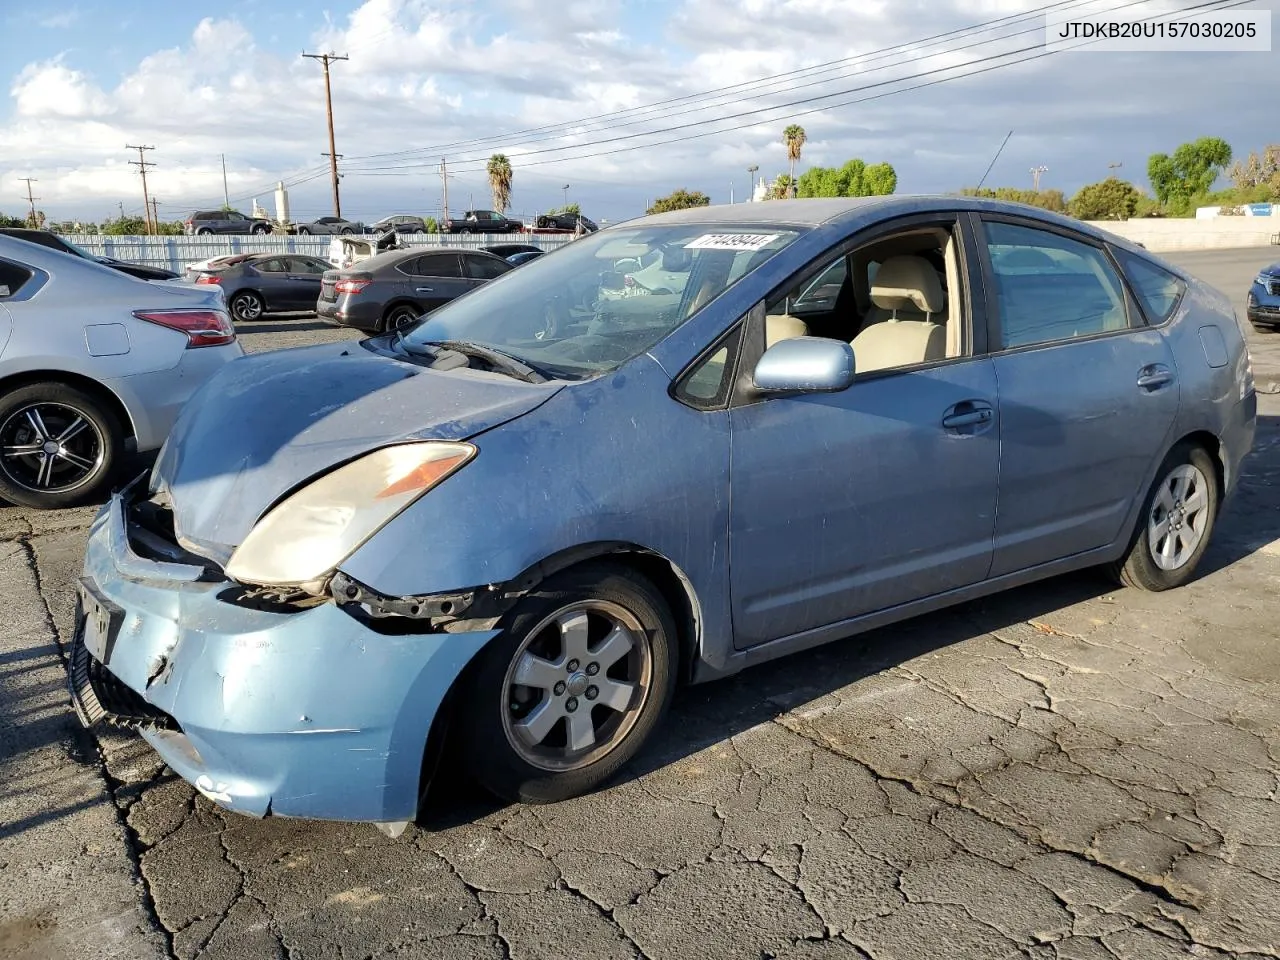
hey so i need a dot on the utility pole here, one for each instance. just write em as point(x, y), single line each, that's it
point(326, 59)
point(1035, 177)
point(226, 197)
point(751, 194)
point(444, 180)
point(1113, 167)
point(142, 163)
point(31, 200)
point(566, 197)
point(155, 215)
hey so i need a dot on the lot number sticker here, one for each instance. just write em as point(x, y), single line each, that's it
point(731, 241)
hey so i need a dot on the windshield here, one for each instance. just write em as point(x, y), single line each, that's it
point(601, 300)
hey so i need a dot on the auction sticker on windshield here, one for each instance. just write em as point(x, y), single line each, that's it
point(731, 241)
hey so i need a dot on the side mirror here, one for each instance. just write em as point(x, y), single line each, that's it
point(805, 365)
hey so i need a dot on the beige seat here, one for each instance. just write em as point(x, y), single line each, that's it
point(783, 327)
point(907, 295)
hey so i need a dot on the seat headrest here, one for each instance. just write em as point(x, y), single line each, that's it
point(907, 283)
point(676, 259)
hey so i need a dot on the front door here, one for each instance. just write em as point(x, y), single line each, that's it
point(1088, 393)
point(304, 281)
point(843, 504)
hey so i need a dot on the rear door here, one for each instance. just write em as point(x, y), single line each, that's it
point(305, 275)
point(436, 279)
point(1088, 392)
point(481, 269)
point(273, 282)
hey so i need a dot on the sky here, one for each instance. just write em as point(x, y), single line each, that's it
point(619, 100)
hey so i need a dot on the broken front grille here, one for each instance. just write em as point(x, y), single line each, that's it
point(101, 698)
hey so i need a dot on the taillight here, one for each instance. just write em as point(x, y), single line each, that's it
point(203, 327)
point(208, 278)
point(350, 286)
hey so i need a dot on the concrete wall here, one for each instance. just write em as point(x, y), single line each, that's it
point(1161, 236)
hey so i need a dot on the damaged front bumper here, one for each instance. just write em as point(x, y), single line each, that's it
point(305, 712)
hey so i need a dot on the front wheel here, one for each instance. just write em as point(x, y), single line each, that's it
point(260, 230)
point(581, 675)
point(1176, 522)
point(58, 446)
point(246, 306)
point(304, 232)
point(204, 231)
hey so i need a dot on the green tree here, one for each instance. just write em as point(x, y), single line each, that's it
point(793, 137)
point(430, 225)
point(7, 221)
point(681, 199)
point(854, 179)
point(1109, 199)
point(499, 170)
point(1052, 200)
point(125, 227)
point(572, 209)
point(780, 189)
point(1259, 170)
point(1190, 173)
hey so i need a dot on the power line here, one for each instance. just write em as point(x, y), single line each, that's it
point(326, 59)
point(142, 163)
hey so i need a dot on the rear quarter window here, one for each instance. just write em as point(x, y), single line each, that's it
point(1157, 289)
point(13, 277)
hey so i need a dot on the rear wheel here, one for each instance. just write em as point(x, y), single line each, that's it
point(259, 229)
point(581, 675)
point(204, 231)
point(400, 316)
point(347, 231)
point(58, 446)
point(247, 306)
point(304, 232)
point(1176, 522)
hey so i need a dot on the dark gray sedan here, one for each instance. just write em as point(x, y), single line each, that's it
point(393, 289)
point(331, 226)
point(258, 283)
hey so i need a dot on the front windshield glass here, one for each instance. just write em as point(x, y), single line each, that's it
point(601, 300)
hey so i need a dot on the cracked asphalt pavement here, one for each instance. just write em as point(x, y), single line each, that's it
point(1069, 771)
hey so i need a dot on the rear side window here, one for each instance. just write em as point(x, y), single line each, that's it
point(1158, 290)
point(485, 268)
point(277, 265)
point(13, 277)
point(436, 265)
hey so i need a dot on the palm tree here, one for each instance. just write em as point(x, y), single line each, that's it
point(794, 138)
point(499, 169)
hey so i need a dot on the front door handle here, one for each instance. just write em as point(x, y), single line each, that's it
point(1154, 377)
point(424, 289)
point(968, 419)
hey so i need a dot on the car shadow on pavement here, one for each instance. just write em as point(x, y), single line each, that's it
point(707, 714)
point(295, 327)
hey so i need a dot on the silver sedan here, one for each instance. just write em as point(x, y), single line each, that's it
point(94, 364)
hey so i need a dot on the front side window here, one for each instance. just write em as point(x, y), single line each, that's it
point(1050, 287)
point(607, 297)
point(1157, 288)
point(307, 265)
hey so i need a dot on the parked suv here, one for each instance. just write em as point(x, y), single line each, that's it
point(481, 221)
point(400, 224)
point(223, 221)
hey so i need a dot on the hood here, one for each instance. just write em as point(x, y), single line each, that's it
point(267, 423)
point(1272, 271)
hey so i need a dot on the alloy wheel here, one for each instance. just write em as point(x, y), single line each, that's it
point(1179, 517)
point(576, 685)
point(247, 306)
point(49, 447)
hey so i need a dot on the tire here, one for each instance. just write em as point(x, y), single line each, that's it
point(246, 307)
point(493, 708)
point(259, 230)
point(346, 232)
point(304, 232)
point(401, 315)
point(1156, 562)
point(204, 231)
point(88, 430)
point(543, 223)
point(416, 231)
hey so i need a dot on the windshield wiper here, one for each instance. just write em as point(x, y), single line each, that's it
point(503, 362)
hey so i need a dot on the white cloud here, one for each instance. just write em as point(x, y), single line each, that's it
point(60, 20)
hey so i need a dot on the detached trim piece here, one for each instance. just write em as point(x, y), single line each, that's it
point(479, 603)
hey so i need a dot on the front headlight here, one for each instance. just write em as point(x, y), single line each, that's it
point(1263, 279)
point(304, 538)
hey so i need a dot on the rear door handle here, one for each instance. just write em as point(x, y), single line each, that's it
point(1154, 377)
point(425, 289)
point(968, 419)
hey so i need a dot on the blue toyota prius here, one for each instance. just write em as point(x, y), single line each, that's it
point(667, 451)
